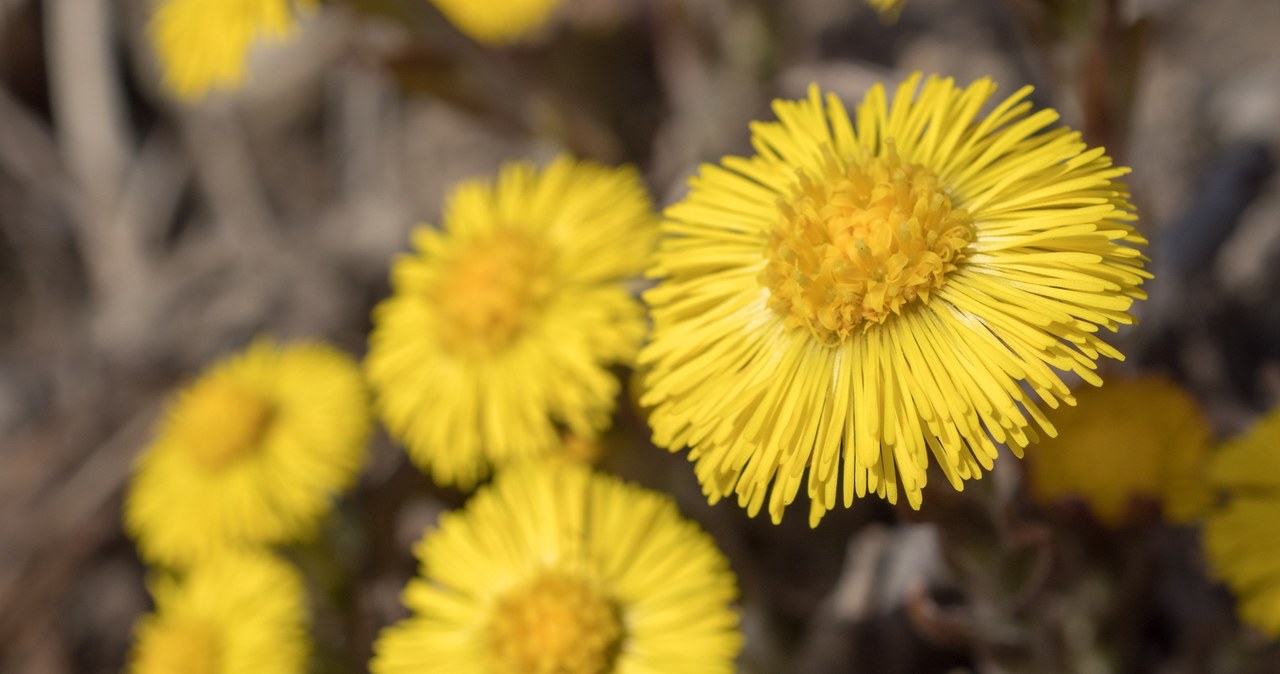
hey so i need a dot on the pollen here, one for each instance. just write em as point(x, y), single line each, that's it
point(186, 647)
point(490, 291)
point(857, 243)
point(556, 623)
point(222, 423)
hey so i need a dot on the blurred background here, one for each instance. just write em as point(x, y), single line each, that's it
point(141, 238)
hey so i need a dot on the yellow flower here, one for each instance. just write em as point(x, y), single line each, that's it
point(204, 44)
point(234, 614)
point(863, 293)
point(251, 453)
point(557, 570)
point(1242, 539)
point(498, 22)
point(1131, 439)
point(502, 327)
point(889, 10)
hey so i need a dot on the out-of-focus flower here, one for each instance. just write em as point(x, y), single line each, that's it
point(863, 293)
point(252, 453)
point(1242, 538)
point(889, 10)
point(231, 614)
point(204, 44)
point(503, 325)
point(1140, 439)
point(498, 22)
point(556, 569)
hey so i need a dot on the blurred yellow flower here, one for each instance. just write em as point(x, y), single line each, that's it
point(555, 569)
point(1131, 439)
point(204, 44)
point(233, 614)
point(1242, 538)
point(863, 293)
point(498, 22)
point(502, 327)
point(251, 453)
point(889, 10)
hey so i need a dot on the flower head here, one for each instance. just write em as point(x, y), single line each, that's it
point(204, 44)
point(251, 453)
point(498, 22)
point(503, 325)
point(1129, 440)
point(889, 10)
point(1241, 538)
point(557, 570)
point(864, 293)
point(234, 613)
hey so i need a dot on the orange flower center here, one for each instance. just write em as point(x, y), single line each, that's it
point(555, 624)
point(221, 423)
point(855, 245)
point(171, 647)
point(490, 292)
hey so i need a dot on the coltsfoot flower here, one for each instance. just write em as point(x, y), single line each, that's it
point(1241, 538)
point(203, 45)
point(555, 569)
point(250, 454)
point(864, 293)
point(889, 10)
point(232, 614)
point(498, 22)
point(504, 324)
point(1131, 440)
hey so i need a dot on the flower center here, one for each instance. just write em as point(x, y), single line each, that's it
point(490, 291)
point(857, 243)
point(222, 423)
point(555, 624)
point(171, 647)
point(579, 448)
